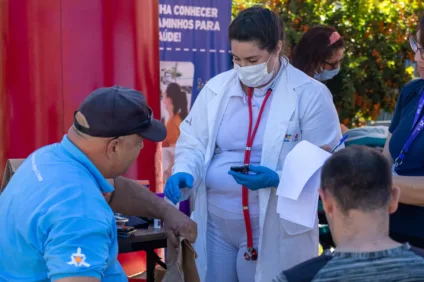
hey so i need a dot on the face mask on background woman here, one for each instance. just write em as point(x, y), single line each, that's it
point(326, 74)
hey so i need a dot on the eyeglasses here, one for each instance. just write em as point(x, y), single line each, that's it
point(415, 46)
point(334, 65)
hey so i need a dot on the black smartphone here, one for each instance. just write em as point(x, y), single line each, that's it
point(126, 229)
point(242, 169)
point(126, 234)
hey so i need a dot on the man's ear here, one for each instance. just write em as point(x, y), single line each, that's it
point(327, 201)
point(394, 199)
point(112, 147)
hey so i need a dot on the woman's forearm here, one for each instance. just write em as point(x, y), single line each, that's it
point(412, 189)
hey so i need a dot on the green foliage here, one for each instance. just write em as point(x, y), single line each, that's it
point(375, 34)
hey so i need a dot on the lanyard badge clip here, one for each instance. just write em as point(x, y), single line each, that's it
point(398, 162)
point(251, 254)
point(399, 159)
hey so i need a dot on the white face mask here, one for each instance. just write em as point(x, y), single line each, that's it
point(256, 75)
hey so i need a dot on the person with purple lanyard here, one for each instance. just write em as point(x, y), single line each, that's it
point(405, 149)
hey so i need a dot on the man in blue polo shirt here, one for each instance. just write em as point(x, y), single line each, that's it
point(54, 220)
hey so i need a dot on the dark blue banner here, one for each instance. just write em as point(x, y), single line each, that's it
point(195, 31)
point(194, 47)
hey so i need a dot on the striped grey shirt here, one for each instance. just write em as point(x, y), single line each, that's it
point(403, 263)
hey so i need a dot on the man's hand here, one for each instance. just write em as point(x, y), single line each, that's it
point(131, 198)
point(178, 224)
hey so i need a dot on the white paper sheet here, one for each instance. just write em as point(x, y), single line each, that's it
point(299, 184)
point(302, 211)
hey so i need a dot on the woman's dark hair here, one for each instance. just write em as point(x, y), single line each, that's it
point(259, 25)
point(178, 99)
point(314, 48)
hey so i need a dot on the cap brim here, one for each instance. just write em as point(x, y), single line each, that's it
point(156, 132)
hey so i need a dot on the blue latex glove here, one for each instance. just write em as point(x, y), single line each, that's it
point(175, 183)
point(262, 177)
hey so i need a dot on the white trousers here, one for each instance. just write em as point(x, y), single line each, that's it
point(226, 243)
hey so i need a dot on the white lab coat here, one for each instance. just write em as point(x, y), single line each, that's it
point(300, 105)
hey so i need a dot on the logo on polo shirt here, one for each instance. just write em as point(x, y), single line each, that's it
point(78, 259)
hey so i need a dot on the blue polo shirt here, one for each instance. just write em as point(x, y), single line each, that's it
point(408, 220)
point(55, 222)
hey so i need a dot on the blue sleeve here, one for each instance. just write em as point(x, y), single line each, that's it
point(77, 246)
point(397, 113)
point(408, 93)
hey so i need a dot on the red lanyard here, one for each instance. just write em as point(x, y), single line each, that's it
point(251, 253)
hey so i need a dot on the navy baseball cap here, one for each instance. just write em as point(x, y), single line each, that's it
point(119, 111)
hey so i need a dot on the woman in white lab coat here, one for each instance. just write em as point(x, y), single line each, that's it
point(241, 236)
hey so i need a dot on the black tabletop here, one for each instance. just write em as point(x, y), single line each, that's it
point(143, 239)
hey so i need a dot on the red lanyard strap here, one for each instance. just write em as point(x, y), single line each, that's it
point(251, 253)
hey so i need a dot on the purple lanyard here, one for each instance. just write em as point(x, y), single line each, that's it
point(417, 127)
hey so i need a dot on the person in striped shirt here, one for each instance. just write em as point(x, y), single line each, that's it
point(358, 197)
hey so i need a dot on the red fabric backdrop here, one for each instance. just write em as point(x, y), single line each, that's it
point(53, 53)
